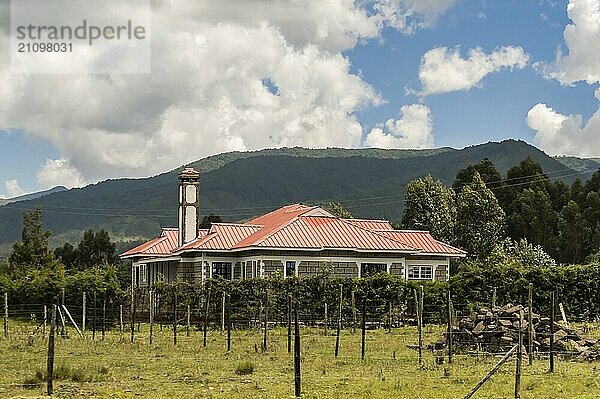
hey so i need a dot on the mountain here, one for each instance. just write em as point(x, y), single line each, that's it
point(32, 196)
point(239, 185)
point(585, 166)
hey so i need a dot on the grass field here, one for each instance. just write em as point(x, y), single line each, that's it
point(117, 368)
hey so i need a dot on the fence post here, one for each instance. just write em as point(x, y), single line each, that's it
point(228, 315)
point(491, 372)
point(206, 315)
point(289, 322)
point(151, 315)
point(133, 303)
point(266, 320)
point(364, 327)
point(530, 324)
point(449, 327)
point(494, 298)
point(223, 312)
point(6, 315)
point(339, 324)
point(94, 319)
point(552, 306)
point(121, 319)
point(175, 318)
point(187, 325)
point(297, 390)
point(326, 319)
point(83, 311)
point(50, 363)
point(104, 316)
point(390, 316)
point(353, 313)
point(519, 358)
point(419, 325)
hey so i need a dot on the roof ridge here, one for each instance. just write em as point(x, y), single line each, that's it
point(281, 226)
point(237, 224)
point(369, 220)
point(379, 235)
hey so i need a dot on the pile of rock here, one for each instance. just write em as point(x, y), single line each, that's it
point(497, 330)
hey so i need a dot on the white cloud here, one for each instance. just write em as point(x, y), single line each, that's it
point(582, 38)
point(564, 134)
point(205, 94)
point(412, 130)
point(444, 70)
point(59, 172)
point(410, 15)
point(13, 189)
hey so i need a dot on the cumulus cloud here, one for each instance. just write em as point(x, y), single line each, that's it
point(564, 134)
point(59, 172)
point(444, 70)
point(412, 130)
point(13, 189)
point(410, 15)
point(582, 38)
point(206, 92)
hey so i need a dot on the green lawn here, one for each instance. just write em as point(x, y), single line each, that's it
point(119, 369)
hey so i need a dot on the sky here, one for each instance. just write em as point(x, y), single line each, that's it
point(246, 75)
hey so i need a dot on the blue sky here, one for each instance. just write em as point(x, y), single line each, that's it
point(258, 79)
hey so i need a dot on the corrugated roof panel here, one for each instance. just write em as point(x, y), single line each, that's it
point(423, 240)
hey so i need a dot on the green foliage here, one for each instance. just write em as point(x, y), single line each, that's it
point(245, 368)
point(479, 219)
point(429, 205)
point(486, 170)
point(208, 220)
point(337, 209)
point(94, 250)
point(32, 251)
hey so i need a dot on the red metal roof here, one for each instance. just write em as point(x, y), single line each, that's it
point(422, 240)
point(315, 232)
point(299, 226)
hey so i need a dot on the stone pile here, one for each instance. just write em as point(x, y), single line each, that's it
point(497, 330)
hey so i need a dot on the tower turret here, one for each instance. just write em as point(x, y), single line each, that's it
point(189, 205)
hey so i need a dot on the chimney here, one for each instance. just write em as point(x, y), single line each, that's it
point(189, 205)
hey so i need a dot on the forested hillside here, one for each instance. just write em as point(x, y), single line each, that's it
point(368, 182)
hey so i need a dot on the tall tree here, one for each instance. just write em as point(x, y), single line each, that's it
point(572, 231)
point(33, 250)
point(208, 220)
point(487, 171)
point(429, 205)
point(480, 220)
point(337, 209)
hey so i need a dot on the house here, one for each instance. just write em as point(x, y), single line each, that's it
point(294, 240)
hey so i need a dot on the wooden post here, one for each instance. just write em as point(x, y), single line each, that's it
point(151, 316)
point(491, 372)
point(175, 318)
point(530, 324)
point(228, 311)
point(326, 319)
point(94, 319)
point(72, 320)
point(266, 319)
point(552, 317)
point(134, 298)
point(449, 338)
point(519, 357)
point(45, 318)
point(187, 324)
point(339, 324)
point(289, 322)
point(563, 314)
point(104, 316)
point(494, 298)
point(297, 390)
point(121, 319)
point(353, 313)
point(6, 315)
point(390, 316)
point(83, 312)
point(50, 361)
point(364, 328)
point(223, 312)
point(418, 303)
point(206, 315)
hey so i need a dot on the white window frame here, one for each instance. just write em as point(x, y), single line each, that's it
point(421, 273)
point(143, 273)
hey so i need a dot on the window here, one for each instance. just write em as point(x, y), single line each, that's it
point(290, 268)
point(143, 274)
point(368, 269)
point(420, 272)
point(221, 269)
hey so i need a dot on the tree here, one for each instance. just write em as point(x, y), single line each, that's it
point(207, 221)
point(486, 169)
point(32, 251)
point(94, 250)
point(336, 209)
point(480, 220)
point(429, 205)
point(572, 231)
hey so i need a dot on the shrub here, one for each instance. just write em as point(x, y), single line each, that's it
point(245, 368)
